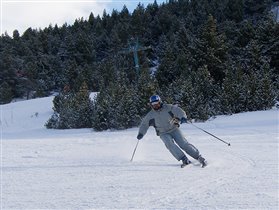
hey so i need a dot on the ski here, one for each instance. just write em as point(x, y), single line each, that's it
point(202, 165)
point(183, 165)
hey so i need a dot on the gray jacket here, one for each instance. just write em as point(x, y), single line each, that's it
point(161, 119)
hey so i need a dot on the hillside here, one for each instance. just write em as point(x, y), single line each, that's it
point(83, 169)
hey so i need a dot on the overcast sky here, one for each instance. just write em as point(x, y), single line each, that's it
point(22, 14)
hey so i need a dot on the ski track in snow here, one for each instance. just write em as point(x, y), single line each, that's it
point(83, 169)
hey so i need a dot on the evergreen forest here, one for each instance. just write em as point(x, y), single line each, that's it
point(212, 57)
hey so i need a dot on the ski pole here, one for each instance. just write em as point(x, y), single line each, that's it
point(134, 151)
point(211, 134)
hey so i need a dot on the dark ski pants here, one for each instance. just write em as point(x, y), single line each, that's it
point(176, 142)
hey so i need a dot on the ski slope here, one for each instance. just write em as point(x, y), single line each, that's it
point(83, 169)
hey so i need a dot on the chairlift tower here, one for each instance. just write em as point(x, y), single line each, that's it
point(134, 47)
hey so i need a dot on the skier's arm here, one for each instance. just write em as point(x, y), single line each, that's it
point(143, 127)
point(180, 114)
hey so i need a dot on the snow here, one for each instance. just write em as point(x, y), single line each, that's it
point(275, 11)
point(84, 169)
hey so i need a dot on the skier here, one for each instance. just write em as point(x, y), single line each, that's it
point(165, 119)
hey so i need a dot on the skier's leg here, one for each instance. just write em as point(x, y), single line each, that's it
point(184, 144)
point(172, 147)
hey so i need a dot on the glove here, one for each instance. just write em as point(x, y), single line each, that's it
point(139, 137)
point(183, 120)
point(175, 121)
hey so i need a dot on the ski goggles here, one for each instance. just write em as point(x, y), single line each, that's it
point(154, 103)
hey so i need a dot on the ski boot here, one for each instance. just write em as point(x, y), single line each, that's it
point(202, 161)
point(185, 162)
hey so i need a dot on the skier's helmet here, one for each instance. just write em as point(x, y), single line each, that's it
point(155, 99)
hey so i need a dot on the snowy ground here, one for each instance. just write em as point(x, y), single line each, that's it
point(83, 169)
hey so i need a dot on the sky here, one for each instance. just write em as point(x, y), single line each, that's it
point(22, 14)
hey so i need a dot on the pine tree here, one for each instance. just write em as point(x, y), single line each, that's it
point(196, 94)
point(211, 50)
point(235, 10)
point(147, 86)
point(72, 110)
point(254, 7)
point(234, 99)
point(203, 102)
point(167, 71)
point(138, 22)
point(116, 107)
point(100, 121)
point(82, 107)
point(261, 94)
point(246, 33)
point(6, 94)
point(62, 116)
